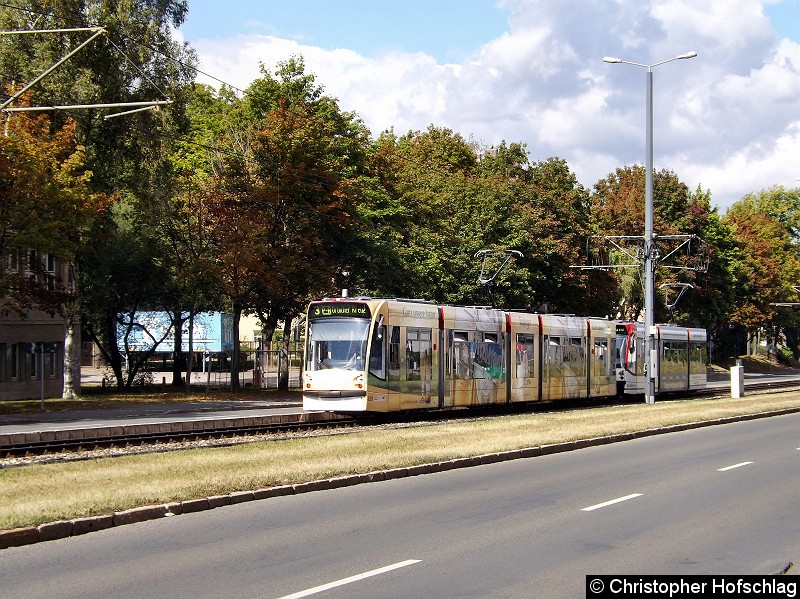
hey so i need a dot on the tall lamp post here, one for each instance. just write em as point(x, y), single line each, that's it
point(649, 246)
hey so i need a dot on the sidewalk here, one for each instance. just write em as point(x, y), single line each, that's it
point(151, 407)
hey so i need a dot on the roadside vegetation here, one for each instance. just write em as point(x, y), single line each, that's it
point(40, 493)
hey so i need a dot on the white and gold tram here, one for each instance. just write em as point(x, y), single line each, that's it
point(385, 355)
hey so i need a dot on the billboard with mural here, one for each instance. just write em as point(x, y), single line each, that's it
point(213, 332)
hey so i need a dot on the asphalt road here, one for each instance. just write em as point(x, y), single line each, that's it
point(717, 500)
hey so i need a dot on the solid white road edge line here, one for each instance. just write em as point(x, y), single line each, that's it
point(612, 502)
point(726, 468)
point(343, 581)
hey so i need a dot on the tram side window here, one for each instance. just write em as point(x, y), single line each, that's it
point(462, 356)
point(394, 353)
point(699, 357)
point(488, 360)
point(574, 355)
point(601, 356)
point(552, 355)
point(418, 353)
point(674, 357)
point(524, 356)
point(377, 355)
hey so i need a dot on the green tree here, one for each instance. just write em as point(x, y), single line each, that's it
point(172, 215)
point(444, 206)
point(767, 270)
point(111, 302)
point(779, 203)
point(136, 59)
point(44, 198)
point(282, 205)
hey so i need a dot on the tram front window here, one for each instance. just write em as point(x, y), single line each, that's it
point(337, 343)
point(622, 348)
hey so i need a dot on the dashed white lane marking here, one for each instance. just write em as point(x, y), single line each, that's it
point(739, 465)
point(343, 581)
point(612, 502)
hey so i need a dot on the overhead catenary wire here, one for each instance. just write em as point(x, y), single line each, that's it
point(137, 42)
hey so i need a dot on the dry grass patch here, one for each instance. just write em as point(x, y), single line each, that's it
point(41, 493)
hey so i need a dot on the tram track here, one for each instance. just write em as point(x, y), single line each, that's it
point(221, 434)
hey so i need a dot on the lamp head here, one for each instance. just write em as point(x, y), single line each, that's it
point(611, 59)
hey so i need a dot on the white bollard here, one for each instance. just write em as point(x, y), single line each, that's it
point(737, 381)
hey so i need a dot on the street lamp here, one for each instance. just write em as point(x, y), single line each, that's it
point(649, 246)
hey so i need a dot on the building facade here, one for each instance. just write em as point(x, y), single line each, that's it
point(32, 343)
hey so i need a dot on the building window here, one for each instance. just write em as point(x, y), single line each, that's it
point(51, 362)
point(49, 265)
point(30, 265)
point(12, 266)
point(15, 362)
point(33, 361)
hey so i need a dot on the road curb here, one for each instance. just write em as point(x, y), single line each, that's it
point(68, 528)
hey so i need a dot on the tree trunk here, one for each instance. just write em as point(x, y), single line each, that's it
point(72, 358)
point(237, 315)
point(190, 361)
point(177, 354)
point(113, 354)
point(283, 375)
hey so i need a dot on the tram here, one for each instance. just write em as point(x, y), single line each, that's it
point(680, 356)
point(391, 355)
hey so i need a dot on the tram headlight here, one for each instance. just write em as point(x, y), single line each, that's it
point(358, 381)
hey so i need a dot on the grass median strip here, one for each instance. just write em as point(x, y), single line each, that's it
point(36, 494)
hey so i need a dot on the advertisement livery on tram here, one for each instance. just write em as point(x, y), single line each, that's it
point(388, 355)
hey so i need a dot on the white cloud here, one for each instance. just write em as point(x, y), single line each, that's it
point(751, 168)
point(727, 120)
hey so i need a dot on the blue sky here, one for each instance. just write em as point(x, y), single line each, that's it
point(785, 17)
point(445, 29)
point(531, 71)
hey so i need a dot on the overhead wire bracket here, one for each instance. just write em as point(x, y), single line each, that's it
point(139, 106)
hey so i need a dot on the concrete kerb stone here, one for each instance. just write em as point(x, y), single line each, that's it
point(61, 529)
point(81, 526)
point(241, 497)
point(55, 530)
point(195, 505)
point(140, 514)
point(19, 536)
point(174, 508)
point(216, 501)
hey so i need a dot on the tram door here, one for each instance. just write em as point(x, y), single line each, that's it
point(421, 372)
point(459, 369)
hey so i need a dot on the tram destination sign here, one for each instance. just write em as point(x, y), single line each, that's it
point(340, 309)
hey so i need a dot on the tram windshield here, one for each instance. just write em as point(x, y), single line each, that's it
point(622, 352)
point(337, 343)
